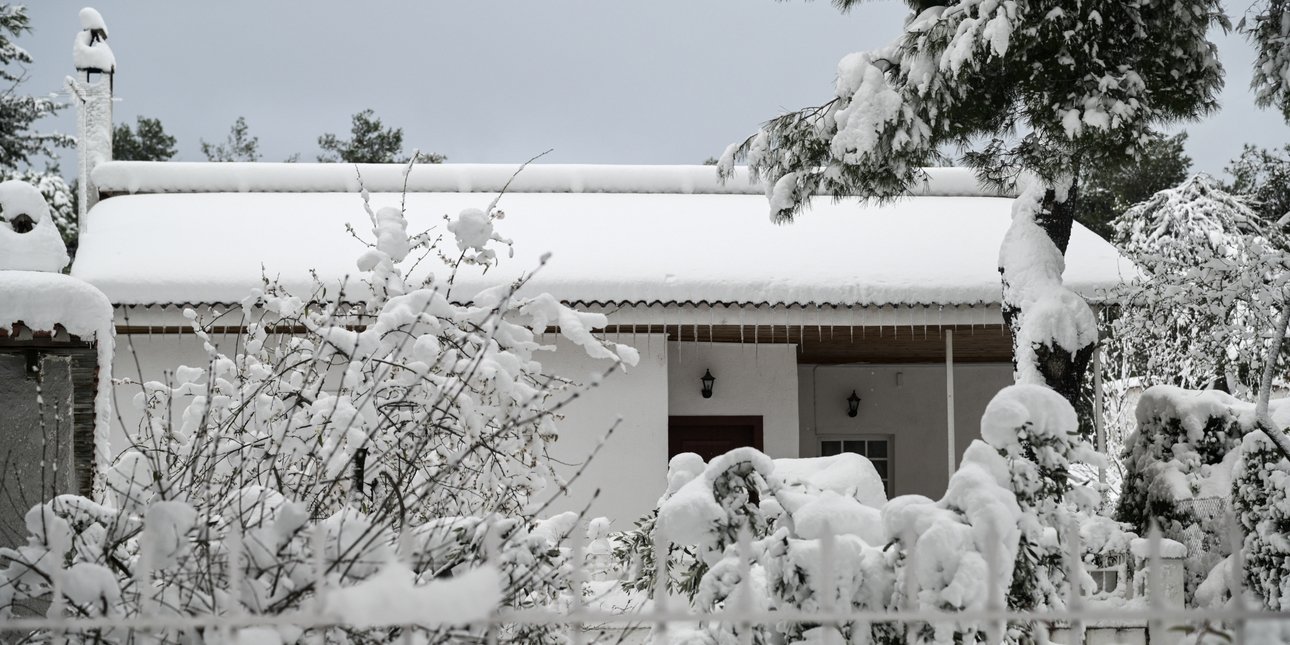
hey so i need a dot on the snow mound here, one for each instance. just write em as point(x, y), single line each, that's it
point(92, 20)
point(846, 474)
point(29, 239)
point(832, 514)
point(42, 301)
point(90, 51)
point(92, 56)
point(392, 597)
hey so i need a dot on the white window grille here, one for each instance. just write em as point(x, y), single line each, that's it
point(876, 448)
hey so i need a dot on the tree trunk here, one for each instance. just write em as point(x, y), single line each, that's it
point(1062, 370)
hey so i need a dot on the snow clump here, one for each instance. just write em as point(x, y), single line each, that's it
point(29, 239)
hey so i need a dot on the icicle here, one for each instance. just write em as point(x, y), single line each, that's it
point(819, 323)
point(741, 324)
point(713, 319)
point(801, 329)
point(925, 307)
point(833, 319)
point(667, 338)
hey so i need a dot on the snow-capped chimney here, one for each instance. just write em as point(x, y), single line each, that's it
point(91, 88)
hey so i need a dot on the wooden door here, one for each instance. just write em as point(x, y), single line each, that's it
point(712, 436)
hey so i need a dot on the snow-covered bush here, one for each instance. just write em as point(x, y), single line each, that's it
point(355, 454)
point(1179, 464)
point(1001, 512)
point(782, 509)
point(1261, 501)
point(1037, 433)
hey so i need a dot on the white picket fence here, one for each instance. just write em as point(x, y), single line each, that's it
point(1161, 618)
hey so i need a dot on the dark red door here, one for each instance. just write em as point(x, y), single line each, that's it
point(712, 436)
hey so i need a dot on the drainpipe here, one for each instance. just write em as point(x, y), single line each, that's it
point(949, 400)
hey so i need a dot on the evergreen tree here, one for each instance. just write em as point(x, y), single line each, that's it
point(148, 141)
point(1109, 191)
point(370, 142)
point(1269, 31)
point(238, 146)
point(1036, 89)
point(20, 144)
point(1262, 176)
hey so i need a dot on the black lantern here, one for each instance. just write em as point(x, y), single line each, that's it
point(708, 379)
point(853, 404)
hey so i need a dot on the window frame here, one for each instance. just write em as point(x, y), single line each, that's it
point(890, 459)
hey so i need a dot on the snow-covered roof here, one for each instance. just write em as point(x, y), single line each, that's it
point(134, 177)
point(616, 234)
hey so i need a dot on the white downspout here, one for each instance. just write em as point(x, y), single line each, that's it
point(1098, 422)
point(949, 400)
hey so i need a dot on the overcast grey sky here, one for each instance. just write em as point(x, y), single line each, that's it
point(600, 81)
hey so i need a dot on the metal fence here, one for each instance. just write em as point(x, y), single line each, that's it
point(1149, 617)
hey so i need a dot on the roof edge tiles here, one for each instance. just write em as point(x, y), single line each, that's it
point(134, 177)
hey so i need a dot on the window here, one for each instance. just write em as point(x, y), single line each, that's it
point(876, 449)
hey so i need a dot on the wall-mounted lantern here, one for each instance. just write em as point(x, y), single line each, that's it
point(853, 404)
point(708, 380)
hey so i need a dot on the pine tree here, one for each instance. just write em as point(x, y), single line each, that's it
point(238, 146)
point(21, 145)
point(370, 142)
point(1269, 31)
point(148, 141)
point(1109, 191)
point(1028, 89)
point(1262, 176)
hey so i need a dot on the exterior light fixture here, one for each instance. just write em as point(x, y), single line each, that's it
point(708, 380)
point(853, 404)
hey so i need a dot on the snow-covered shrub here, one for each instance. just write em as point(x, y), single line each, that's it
point(1001, 512)
point(783, 508)
point(1261, 501)
point(386, 444)
point(1178, 462)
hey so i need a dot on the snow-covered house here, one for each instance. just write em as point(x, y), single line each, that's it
point(897, 304)
point(863, 328)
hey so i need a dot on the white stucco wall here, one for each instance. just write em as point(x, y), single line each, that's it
point(153, 356)
point(912, 412)
point(751, 381)
point(631, 469)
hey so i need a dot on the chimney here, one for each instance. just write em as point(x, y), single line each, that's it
point(91, 88)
